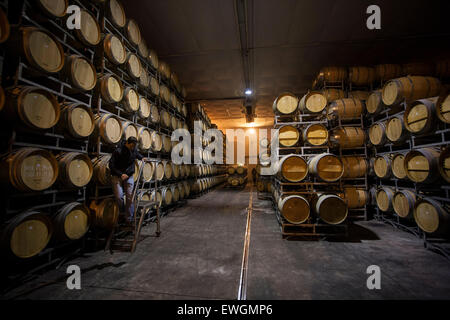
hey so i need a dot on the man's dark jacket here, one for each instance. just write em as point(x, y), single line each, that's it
point(122, 161)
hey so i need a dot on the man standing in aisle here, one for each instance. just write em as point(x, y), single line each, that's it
point(122, 168)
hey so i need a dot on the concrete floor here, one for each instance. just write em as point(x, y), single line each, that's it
point(200, 251)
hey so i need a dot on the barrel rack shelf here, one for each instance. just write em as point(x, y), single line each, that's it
point(439, 192)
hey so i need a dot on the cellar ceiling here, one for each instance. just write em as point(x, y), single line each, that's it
point(288, 42)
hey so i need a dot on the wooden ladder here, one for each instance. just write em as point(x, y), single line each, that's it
point(119, 238)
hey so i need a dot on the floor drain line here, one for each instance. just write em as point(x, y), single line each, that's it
point(242, 293)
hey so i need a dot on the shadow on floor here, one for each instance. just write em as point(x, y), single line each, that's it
point(356, 234)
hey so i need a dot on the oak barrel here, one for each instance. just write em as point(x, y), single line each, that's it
point(153, 58)
point(166, 143)
point(377, 134)
point(36, 108)
point(331, 209)
point(313, 102)
point(29, 169)
point(361, 76)
point(105, 213)
point(422, 165)
point(159, 171)
point(333, 94)
point(354, 167)
point(444, 164)
point(384, 72)
point(356, 197)
point(168, 170)
point(432, 217)
point(102, 174)
point(396, 130)
point(374, 103)
point(114, 49)
point(130, 100)
point(385, 198)
point(346, 109)
point(333, 74)
point(359, 95)
point(383, 166)
point(111, 88)
point(292, 168)
point(409, 89)
point(326, 167)
point(147, 171)
point(90, 32)
point(175, 193)
point(420, 116)
point(165, 119)
point(144, 79)
point(295, 209)
point(129, 130)
point(316, 135)
point(143, 49)
point(156, 141)
point(116, 13)
point(134, 66)
point(81, 73)
point(156, 197)
point(288, 136)
point(241, 170)
point(349, 137)
point(54, 8)
point(144, 108)
point(155, 117)
point(108, 128)
point(75, 169)
point(145, 139)
point(41, 49)
point(285, 104)
point(72, 221)
point(133, 32)
point(403, 203)
point(27, 234)
point(231, 170)
point(398, 166)
point(443, 106)
point(167, 196)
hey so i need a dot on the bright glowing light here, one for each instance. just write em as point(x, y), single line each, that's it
point(248, 92)
point(251, 131)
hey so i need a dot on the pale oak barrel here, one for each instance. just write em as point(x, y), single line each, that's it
point(385, 198)
point(108, 128)
point(422, 165)
point(432, 217)
point(75, 169)
point(36, 108)
point(403, 203)
point(27, 234)
point(295, 209)
point(293, 168)
point(326, 167)
point(331, 209)
point(29, 169)
point(72, 222)
point(285, 104)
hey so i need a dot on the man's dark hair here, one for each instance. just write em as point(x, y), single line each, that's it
point(132, 140)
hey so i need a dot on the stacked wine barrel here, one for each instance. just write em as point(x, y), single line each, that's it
point(237, 176)
point(409, 139)
point(111, 86)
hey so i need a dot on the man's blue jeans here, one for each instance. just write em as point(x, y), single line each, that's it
point(119, 187)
